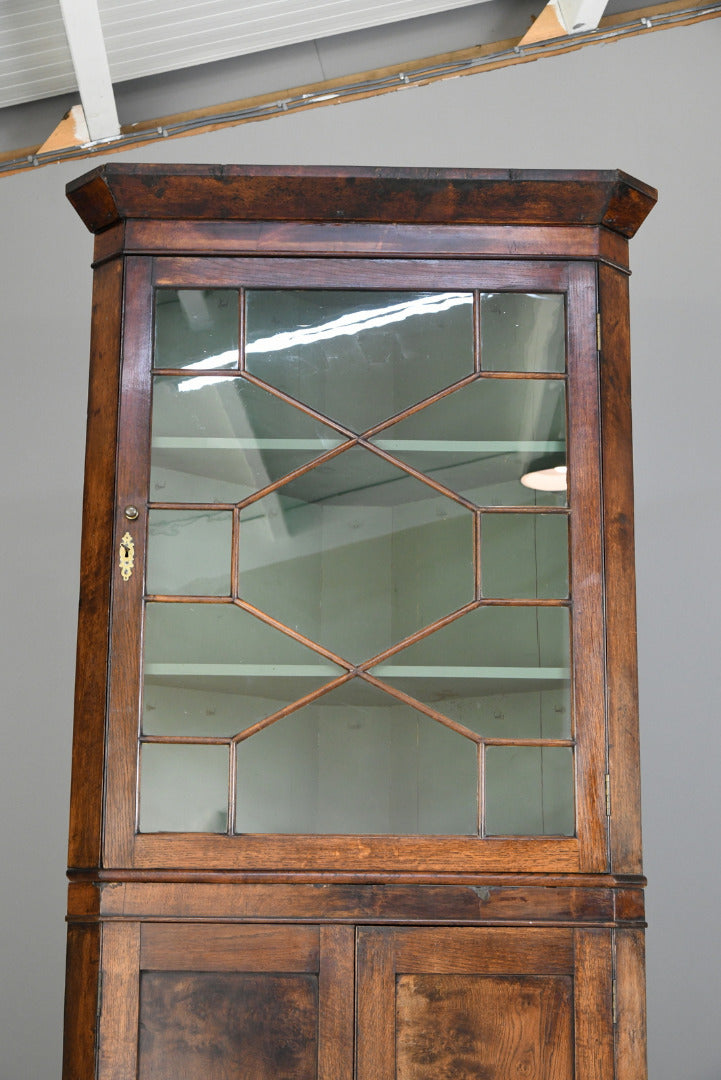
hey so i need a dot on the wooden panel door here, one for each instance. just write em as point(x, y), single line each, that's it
point(225, 1001)
point(471, 1003)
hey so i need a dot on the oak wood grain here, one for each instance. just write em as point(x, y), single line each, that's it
point(630, 1047)
point(363, 239)
point(336, 1012)
point(262, 851)
point(95, 570)
point(227, 1025)
point(113, 192)
point(622, 676)
point(223, 947)
point(81, 1001)
point(593, 1004)
point(493, 1027)
point(130, 490)
point(338, 273)
point(363, 902)
point(118, 1019)
point(586, 570)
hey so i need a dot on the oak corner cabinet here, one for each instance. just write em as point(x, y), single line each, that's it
point(355, 773)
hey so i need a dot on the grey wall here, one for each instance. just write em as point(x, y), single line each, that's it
point(647, 105)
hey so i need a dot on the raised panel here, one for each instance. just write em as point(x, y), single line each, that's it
point(472, 1026)
point(214, 1026)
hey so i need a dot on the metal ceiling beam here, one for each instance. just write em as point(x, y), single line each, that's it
point(87, 49)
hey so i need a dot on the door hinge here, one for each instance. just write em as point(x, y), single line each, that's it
point(598, 331)
point(608, 794)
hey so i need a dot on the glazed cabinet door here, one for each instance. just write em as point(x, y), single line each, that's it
point(475, 1002)
point(226, 1002)
point(346, 631)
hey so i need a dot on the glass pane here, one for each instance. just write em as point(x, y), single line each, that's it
point(219, 438)
point(196, 328)
point(189, 552)
point(480, 440)
point(529, 791)
point(357, 761)
point(356, 555)
point(362, 356)
point(502, 672)
point(183, 788)
point(523, 332)
point(213, 669)
point(524, 555)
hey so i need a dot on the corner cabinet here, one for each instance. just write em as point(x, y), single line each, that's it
point(355, 774)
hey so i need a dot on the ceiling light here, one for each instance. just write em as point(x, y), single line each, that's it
point(553, 479)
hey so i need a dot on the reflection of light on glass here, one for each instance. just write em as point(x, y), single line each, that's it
point(357, 321)
point(221, 360)
point(546, 479)
point(344, 326)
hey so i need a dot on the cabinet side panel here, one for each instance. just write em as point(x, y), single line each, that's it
point(630, 1006)
point(586, 561)
point(81, 1001)
point(95, 572)
point(617, 466)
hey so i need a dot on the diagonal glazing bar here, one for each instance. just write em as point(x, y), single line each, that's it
point(291, 707)
point(264, 617)
point(419, 705)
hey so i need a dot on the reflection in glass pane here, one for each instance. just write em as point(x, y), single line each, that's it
point(502, 672)
point(524, 555)
point(356, 555)
point(529, 791)
point(359, 356)
point(183, 788)
point(480, 440)
point(357, 761)
point(220, 438)
point(189, 552)
point(196, 328)
point(523, 332)
point(213, 669)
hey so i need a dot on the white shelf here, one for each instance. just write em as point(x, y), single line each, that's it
point(455, 446)
point(438, 446)
point(182, 442)
point(398, 671)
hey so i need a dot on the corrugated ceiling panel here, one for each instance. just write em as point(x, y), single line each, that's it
point(34, 56)
point(145, 37)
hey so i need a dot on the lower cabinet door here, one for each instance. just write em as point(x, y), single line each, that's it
point(226, 1002)
point(471, 1003)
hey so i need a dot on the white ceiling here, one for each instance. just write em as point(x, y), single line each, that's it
point(147, 37)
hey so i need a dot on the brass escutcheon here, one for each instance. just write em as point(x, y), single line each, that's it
point(127, 556)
